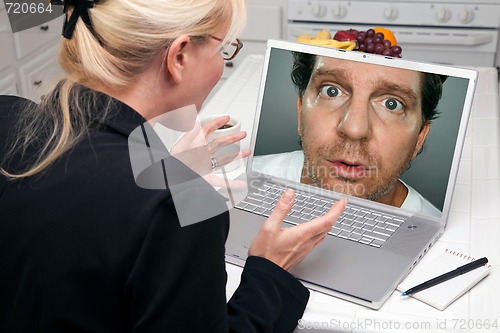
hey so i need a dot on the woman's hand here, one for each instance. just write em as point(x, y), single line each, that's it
point(288, 246)
point(194, 151)
point(224, 141)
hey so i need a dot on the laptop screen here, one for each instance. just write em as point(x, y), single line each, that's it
point(383, 129)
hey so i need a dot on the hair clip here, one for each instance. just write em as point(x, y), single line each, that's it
point(80, 9)
point(73, 3)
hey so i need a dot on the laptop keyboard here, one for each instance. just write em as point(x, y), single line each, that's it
point(356, 223)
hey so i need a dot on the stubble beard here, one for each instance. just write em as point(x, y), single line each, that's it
point(317, 174)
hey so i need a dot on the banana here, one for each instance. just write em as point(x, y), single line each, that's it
point(353, 45)
point(346, 45)
point(304, 37)
point(324, 34)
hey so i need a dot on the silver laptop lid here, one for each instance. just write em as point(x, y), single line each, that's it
point(432, 173)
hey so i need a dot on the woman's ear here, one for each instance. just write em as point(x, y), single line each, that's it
point(177, 57)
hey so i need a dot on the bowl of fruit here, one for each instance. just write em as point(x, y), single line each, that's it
point(377, 40)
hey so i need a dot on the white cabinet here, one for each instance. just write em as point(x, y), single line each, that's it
point(28, 59)
point(37, 74)
point(6, 43)
point(8, 84)
point(31, 40)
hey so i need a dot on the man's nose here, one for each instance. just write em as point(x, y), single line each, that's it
point(355, 122)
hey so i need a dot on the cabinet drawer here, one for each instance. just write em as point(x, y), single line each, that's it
point(8, 84)
point(32, 39)
point(38, 74)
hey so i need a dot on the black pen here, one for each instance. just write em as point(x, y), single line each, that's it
point(446, 276)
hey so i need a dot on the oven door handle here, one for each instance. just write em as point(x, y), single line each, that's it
point(445, 39)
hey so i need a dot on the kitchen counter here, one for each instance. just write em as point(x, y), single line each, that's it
point(473, 227)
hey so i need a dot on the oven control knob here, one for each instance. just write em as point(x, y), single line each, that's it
point(391, 13)
point(466, 16)
point(443, 15)
point(318, 10)
point(339, 11)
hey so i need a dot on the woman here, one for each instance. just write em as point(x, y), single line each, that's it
point(83, 248)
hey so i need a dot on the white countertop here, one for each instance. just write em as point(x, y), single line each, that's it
point(473, 227)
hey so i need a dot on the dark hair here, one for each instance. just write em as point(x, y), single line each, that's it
point(432, 90)
point(432, 84)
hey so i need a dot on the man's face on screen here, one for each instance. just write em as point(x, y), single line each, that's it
point(360, 126)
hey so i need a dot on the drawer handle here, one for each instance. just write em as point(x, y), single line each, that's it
point(44, 27)
point(38, 83)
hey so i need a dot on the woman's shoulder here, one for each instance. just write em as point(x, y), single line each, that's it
point(9, 102)
point(12, 98)
point(10, 105)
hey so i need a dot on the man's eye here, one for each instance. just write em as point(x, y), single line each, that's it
point(392, 104)
point(330, 91)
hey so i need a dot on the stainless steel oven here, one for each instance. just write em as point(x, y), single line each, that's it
point(457, 32)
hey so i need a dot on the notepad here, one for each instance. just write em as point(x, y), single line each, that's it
point(445, 293)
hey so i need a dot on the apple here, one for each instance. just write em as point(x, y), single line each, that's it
point(343, 35)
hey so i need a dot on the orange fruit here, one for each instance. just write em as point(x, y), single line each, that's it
point(388, 34)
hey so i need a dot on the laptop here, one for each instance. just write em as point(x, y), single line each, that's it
point(373, 246)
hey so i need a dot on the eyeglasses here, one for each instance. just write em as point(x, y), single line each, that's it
point(229, 50)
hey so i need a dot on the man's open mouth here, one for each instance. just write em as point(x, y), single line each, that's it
point(349, 169)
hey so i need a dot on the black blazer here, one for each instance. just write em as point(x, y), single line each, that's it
point(84, 249)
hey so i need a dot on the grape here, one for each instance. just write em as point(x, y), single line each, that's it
point(396, 50)
point(370, 41)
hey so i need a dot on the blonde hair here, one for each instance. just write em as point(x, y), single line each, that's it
point(130, 34)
